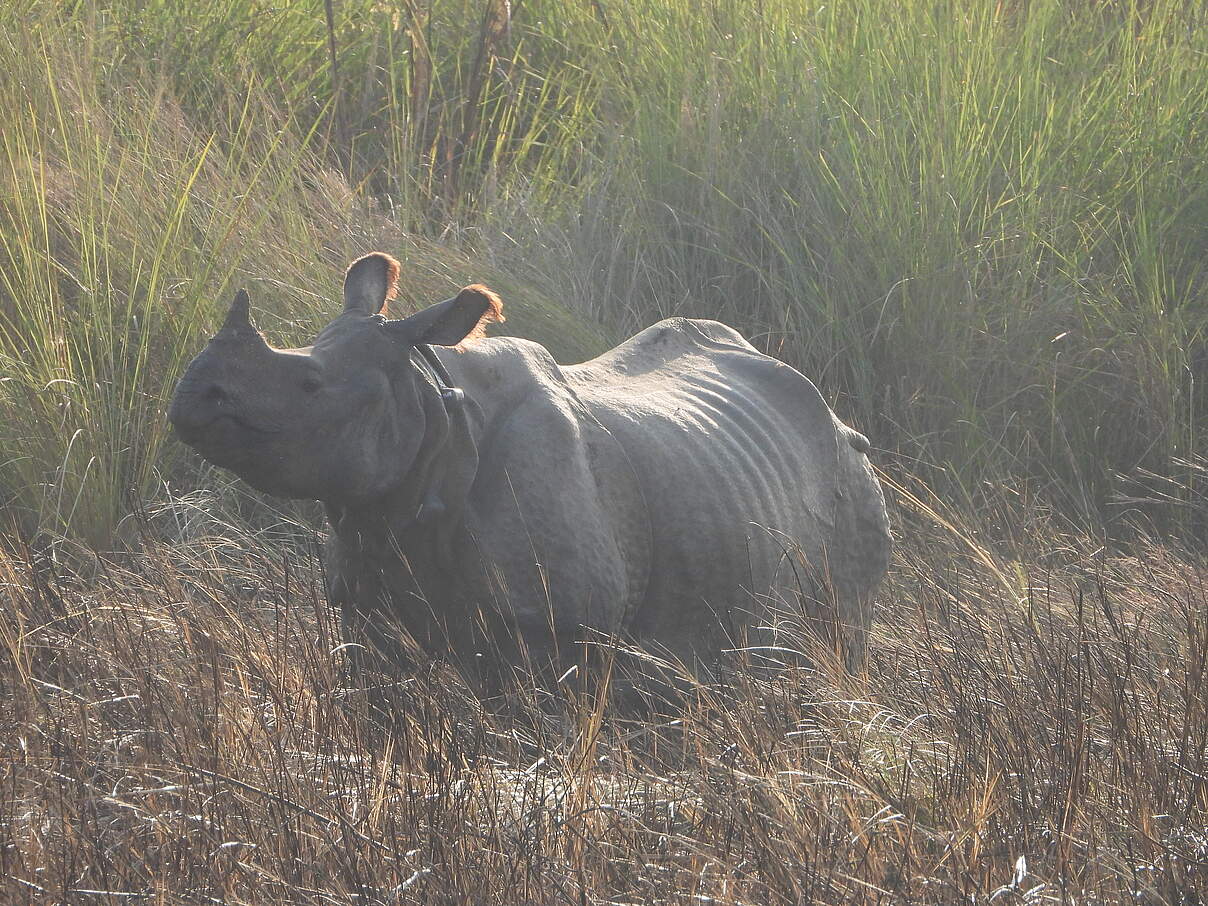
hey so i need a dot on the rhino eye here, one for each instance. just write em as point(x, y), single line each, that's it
point(310, 385)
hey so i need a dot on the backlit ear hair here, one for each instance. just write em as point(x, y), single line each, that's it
point(492, 308)
point(452, 322)
point(370, 283)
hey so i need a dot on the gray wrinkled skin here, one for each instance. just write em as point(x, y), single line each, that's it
point(681, 490)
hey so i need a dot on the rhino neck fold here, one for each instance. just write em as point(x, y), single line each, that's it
point(421, 515)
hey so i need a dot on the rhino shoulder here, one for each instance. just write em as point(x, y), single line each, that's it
point(562, 516)
point(511, 358)
point(502, 373)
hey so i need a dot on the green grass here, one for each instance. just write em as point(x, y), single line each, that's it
point(980, 228)
point(125, 227)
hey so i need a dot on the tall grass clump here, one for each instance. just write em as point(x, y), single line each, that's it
point(981, 227)
point(428, 103)
point(124, 227)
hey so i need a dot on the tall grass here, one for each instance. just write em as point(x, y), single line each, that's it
point(981, 228)
point(125, 226)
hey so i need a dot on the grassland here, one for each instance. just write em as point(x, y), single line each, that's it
point(980, 228)
point(1030, 729)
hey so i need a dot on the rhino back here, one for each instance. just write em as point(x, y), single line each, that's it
point(742, 465)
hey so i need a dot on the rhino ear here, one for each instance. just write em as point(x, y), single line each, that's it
point(453, 321)
point(370, 283)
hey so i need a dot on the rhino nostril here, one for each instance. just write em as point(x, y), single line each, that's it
point(215, 394)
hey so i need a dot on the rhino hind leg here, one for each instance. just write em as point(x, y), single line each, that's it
point(861, 552)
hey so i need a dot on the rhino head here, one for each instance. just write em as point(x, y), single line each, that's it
point(341, 420)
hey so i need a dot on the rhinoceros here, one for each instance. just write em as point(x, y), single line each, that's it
point(680, 491)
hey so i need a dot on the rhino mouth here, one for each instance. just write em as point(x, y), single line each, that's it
point(230, 419)
point(223, 434)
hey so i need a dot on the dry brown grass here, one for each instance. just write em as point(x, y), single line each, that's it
point(1031, 727)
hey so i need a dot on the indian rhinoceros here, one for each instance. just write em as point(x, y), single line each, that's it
point(679, 490)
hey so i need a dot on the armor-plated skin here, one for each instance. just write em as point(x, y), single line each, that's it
point(677, 491)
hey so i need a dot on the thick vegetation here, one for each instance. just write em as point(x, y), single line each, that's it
point(981, 228)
